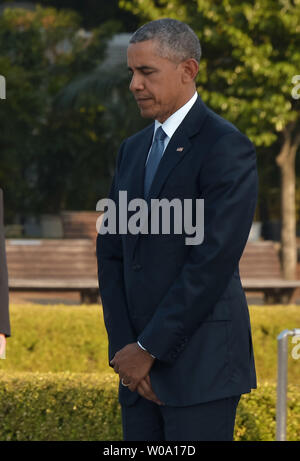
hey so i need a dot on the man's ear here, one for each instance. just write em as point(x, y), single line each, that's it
point(190, 70)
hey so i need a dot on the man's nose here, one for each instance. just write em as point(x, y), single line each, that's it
point(136, 83)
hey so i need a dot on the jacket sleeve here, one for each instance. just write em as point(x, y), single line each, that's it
point(111, 281)
point(4, 304)
point(228, 185)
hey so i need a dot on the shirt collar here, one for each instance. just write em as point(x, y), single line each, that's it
point(172, 123)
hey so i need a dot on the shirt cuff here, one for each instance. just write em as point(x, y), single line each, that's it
point(145, 349)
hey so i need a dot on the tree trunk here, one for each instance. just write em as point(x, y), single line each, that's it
point(286, 162)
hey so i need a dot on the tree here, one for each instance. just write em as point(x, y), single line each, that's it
point(251, 51)
point(110, 85)
point(50, 159)
point(92, 12)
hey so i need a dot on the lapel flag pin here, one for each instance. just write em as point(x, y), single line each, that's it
point(179, 149)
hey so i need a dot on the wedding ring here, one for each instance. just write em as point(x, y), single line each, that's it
point(126, 385)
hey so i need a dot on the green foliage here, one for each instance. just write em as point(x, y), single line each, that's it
point(93, 12)
point(73, 338)
point(267, 322)
point(256, 414)
point(68, 406)
point(121, 117)
point(63, 156)
point(56, 383)
point(59, 406)
point(51, 159)
point(56, 339)
point(250, 54)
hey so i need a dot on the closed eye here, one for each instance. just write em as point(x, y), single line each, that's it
point(143, 69)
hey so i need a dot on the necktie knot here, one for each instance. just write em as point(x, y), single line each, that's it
point(160, 134)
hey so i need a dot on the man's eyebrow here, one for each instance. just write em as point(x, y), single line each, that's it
point(142, 68)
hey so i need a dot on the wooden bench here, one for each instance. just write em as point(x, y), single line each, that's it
point(70, 265)
point(53, 265)
point(260, 271)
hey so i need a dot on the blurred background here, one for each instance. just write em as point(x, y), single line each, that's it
point(68, 107)
point(65, 107)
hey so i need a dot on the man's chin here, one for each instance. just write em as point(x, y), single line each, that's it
point(146, 113)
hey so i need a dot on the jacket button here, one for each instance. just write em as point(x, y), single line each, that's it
point(137, 267)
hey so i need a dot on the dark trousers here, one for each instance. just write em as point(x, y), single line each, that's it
point(147, 421)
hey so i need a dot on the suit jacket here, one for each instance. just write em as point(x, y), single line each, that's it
point(185, 304)
point(4, 313)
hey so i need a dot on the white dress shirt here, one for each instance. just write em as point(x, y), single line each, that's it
point(170, 126)
point(172, 123)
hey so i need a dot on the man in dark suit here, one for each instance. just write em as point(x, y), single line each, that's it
point(4, 313)
point(176, 314)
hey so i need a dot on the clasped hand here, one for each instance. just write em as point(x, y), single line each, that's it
point(133, 365)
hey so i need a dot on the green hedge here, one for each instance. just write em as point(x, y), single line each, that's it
point(73, 338)
point(59, 406)
point(65, 406)
point(256, 415)
point(55, 383)
point(56, 338)
point(267, 322)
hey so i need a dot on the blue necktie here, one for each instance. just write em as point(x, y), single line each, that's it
point(155, 156)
